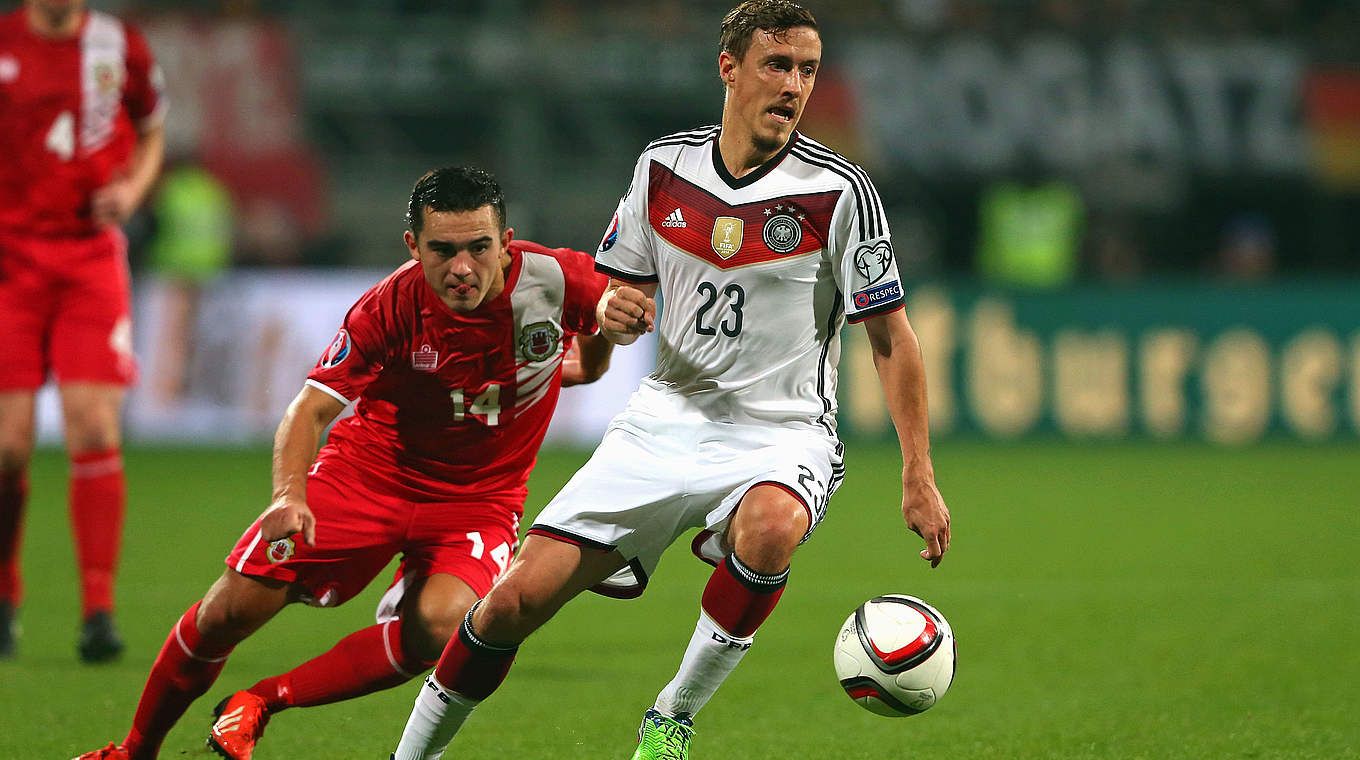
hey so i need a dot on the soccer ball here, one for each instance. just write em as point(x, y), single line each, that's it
point(895, 655)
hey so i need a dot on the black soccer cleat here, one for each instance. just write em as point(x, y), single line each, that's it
point(99, 640)
point(8, 631)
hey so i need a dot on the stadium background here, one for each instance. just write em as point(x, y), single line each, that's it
point(1131, 235)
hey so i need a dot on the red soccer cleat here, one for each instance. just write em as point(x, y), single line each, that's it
point(111, 752)
point(240, 724)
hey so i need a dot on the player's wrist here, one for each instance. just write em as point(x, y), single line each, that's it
point(618, 337)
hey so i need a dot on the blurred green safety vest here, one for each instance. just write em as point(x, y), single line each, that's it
point(1030, 235)
point(193, 225)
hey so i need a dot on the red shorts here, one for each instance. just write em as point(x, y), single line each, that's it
point(359, 530)
point(66, 308)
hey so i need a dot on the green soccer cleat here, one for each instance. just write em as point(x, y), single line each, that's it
point(662, 738)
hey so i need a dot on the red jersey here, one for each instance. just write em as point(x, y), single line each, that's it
point(451, 404)
point(70, 110)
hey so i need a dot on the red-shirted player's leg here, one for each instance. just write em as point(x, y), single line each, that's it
point(98, 495)
point(378, 657)
point(90, 351)
point(16, 447)
point(196, 650)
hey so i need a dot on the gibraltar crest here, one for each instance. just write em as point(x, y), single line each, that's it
point(280, 550)
point(539, 340)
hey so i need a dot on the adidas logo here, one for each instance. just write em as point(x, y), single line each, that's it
point(674, 220)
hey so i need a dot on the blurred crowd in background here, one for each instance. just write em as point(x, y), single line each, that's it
point(1033, 143)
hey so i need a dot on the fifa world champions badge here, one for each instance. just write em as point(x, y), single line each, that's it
point(727, 233)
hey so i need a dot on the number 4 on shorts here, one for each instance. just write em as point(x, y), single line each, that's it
point(501, 554)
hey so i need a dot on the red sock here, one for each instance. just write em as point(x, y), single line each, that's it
point(739, 599)
point(187, 665)
point(13, 493)
point(472, 667)
point(361, 663)
point(98, 494)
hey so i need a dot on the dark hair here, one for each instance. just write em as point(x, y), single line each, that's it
point(741, 23)
point(454, 188)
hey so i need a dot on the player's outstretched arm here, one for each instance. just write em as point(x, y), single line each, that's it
point(897, 357)
point(626, 310)
point(587, 360)
point(295, 446)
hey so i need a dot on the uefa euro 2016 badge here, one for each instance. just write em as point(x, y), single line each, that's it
point(280, 550)
point(783, 231)
point(337, 351)
point(425, 360)
point(539, 340)
point(727, 232)
point(611, 236)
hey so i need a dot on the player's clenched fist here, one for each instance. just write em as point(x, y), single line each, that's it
point(286, 517)
point(624, 313)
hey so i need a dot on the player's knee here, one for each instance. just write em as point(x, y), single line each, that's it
point(509, 614)
point(425, 633)
point(16, 449)
point(92, 433)
point(221, 621)
point(237, 605)
point(770, 525)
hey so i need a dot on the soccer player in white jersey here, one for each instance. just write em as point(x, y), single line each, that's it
point(764, 243)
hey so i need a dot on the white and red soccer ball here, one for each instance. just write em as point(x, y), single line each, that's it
point(895, 655)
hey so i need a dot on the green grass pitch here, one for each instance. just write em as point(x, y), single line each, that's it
point(1110, 601)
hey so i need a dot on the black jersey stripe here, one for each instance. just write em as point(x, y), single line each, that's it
point(702, 133)
point(869, 216)
point(619, 274)
point(846, 175)
point(876, 203)
point(692, 141)
point(868, 183)
point(831, 334)
point(690, 132)
point(883, 308)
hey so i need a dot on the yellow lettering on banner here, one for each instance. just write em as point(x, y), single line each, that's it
point(934, 319)
point(865, 405)
point(1164, 358)
point(1355, 382)
point(1236, 382)
point(1091, 383)
point(1004, 370)
point(1310, 371)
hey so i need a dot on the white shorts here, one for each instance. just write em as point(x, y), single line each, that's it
point(661, 470)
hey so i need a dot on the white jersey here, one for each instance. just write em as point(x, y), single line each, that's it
point(757, 275)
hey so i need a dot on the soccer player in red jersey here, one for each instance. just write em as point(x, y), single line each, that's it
point(81, 110)
point(453, 364)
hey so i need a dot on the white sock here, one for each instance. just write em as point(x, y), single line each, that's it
point(436, 717)
point(712, 655)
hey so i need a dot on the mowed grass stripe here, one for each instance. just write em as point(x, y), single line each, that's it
point(1111, 601)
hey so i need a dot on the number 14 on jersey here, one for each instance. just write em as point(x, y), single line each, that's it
point(487, 404)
